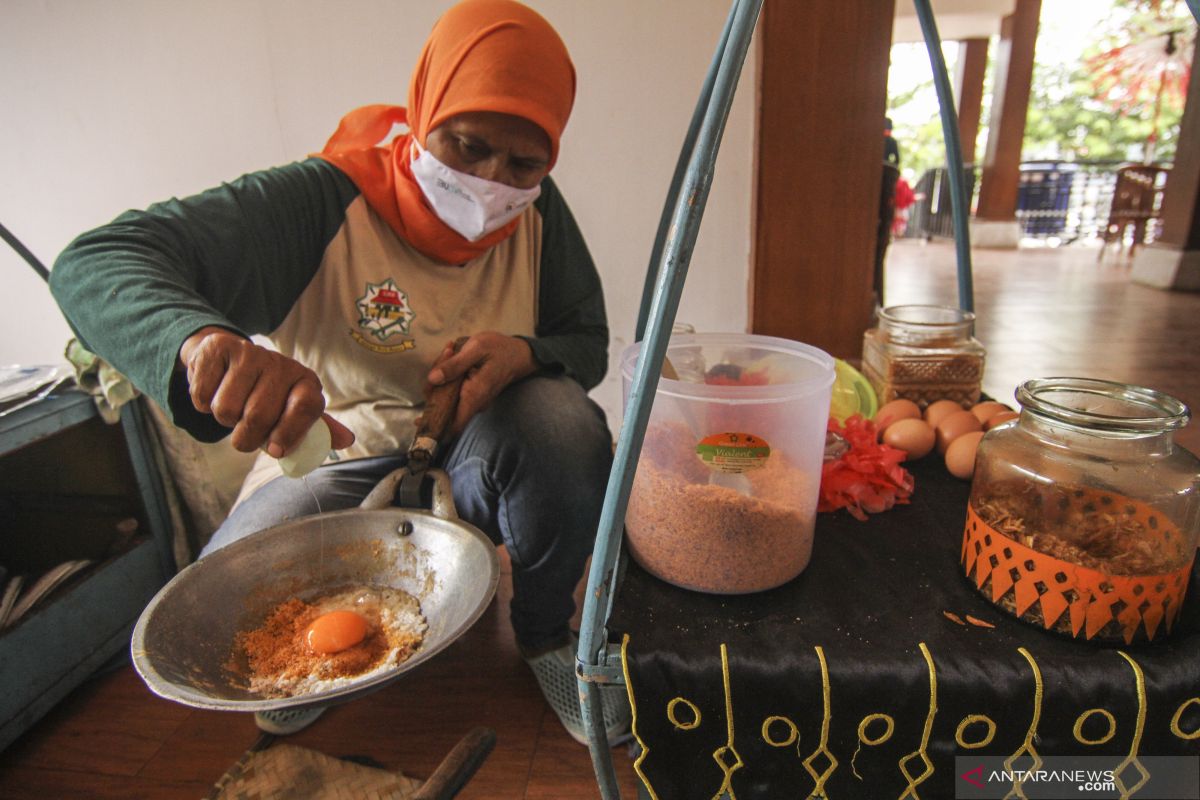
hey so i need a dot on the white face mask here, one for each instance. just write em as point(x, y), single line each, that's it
point(474, 207)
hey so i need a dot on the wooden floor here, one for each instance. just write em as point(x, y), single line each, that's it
point(1041, 313)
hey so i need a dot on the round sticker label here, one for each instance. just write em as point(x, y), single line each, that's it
point(733, 452)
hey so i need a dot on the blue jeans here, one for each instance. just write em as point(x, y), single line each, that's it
point(530, 471)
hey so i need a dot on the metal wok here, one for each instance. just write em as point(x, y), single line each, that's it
point(184, 638)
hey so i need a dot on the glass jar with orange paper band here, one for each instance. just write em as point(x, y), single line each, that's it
point(1084, 514)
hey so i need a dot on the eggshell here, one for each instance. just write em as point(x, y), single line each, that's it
point(960, 455)
point(938, 409)
point(913, 436)
point(988, 409)
point(954, 425)
point(1002, 417)
point(309, 454)
point(896, 410)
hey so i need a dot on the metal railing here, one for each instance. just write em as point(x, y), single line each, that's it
point(1067, 201)
point(931, 214)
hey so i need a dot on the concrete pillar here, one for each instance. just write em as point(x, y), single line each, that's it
point(1173, 262)
point(995, 223)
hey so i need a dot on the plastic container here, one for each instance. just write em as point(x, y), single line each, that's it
point(924, 353)
point(1084, 515)
point(725, 495)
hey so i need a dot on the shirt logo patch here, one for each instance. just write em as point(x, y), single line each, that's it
point(383, 312)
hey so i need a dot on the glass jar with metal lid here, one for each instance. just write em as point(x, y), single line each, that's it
point(1084, 515)
point(924, 353)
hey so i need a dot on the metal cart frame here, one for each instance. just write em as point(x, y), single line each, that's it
point(596, 661)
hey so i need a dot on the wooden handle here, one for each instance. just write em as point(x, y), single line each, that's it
point(441, 403)
point(458, 766)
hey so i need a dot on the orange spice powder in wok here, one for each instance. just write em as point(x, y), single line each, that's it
point(278, 646)
point(280, 663)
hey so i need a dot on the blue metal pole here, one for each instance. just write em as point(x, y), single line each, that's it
point(681, 239)
point(959, 203)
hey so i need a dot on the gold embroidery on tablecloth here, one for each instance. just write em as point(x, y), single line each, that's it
point(793, 732)
point(727, 748)
point(960, 734)
point(1031, 735)
point(913, 782)
point(823, 747)
point(637, 762)
point(1027, 748)
point(888, 728)
point(1139, 728)
point(1082, 719)
point(1177, 721)
point(672, 717)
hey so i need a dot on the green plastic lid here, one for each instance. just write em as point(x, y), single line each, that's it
point(852, 393)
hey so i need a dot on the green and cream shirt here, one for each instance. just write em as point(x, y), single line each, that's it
point(296, 255)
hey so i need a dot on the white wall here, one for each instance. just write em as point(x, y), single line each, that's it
point(114, 104)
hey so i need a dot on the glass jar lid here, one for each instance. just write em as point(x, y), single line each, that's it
point(1103, 406)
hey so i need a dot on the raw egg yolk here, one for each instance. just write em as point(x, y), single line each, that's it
point(335, 632)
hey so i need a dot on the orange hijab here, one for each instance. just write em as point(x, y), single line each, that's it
point(483, 55)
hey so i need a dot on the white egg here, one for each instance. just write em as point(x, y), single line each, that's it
point(310, 453)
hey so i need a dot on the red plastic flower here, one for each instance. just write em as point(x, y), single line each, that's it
point(867, 478)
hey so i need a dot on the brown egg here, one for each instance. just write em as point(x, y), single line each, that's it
point(988, 409)
point(939, 409)
point(1002, 417)
point(954, 425)
point(913, 436)
point(895, 410)
point(960, 455)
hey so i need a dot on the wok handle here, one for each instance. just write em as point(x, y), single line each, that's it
point(458, 766)
point(384, 493)
point(441, 403)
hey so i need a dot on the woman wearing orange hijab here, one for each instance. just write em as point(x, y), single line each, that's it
point(360, 264)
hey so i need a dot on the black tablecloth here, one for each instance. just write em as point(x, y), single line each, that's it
point(852, 680)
